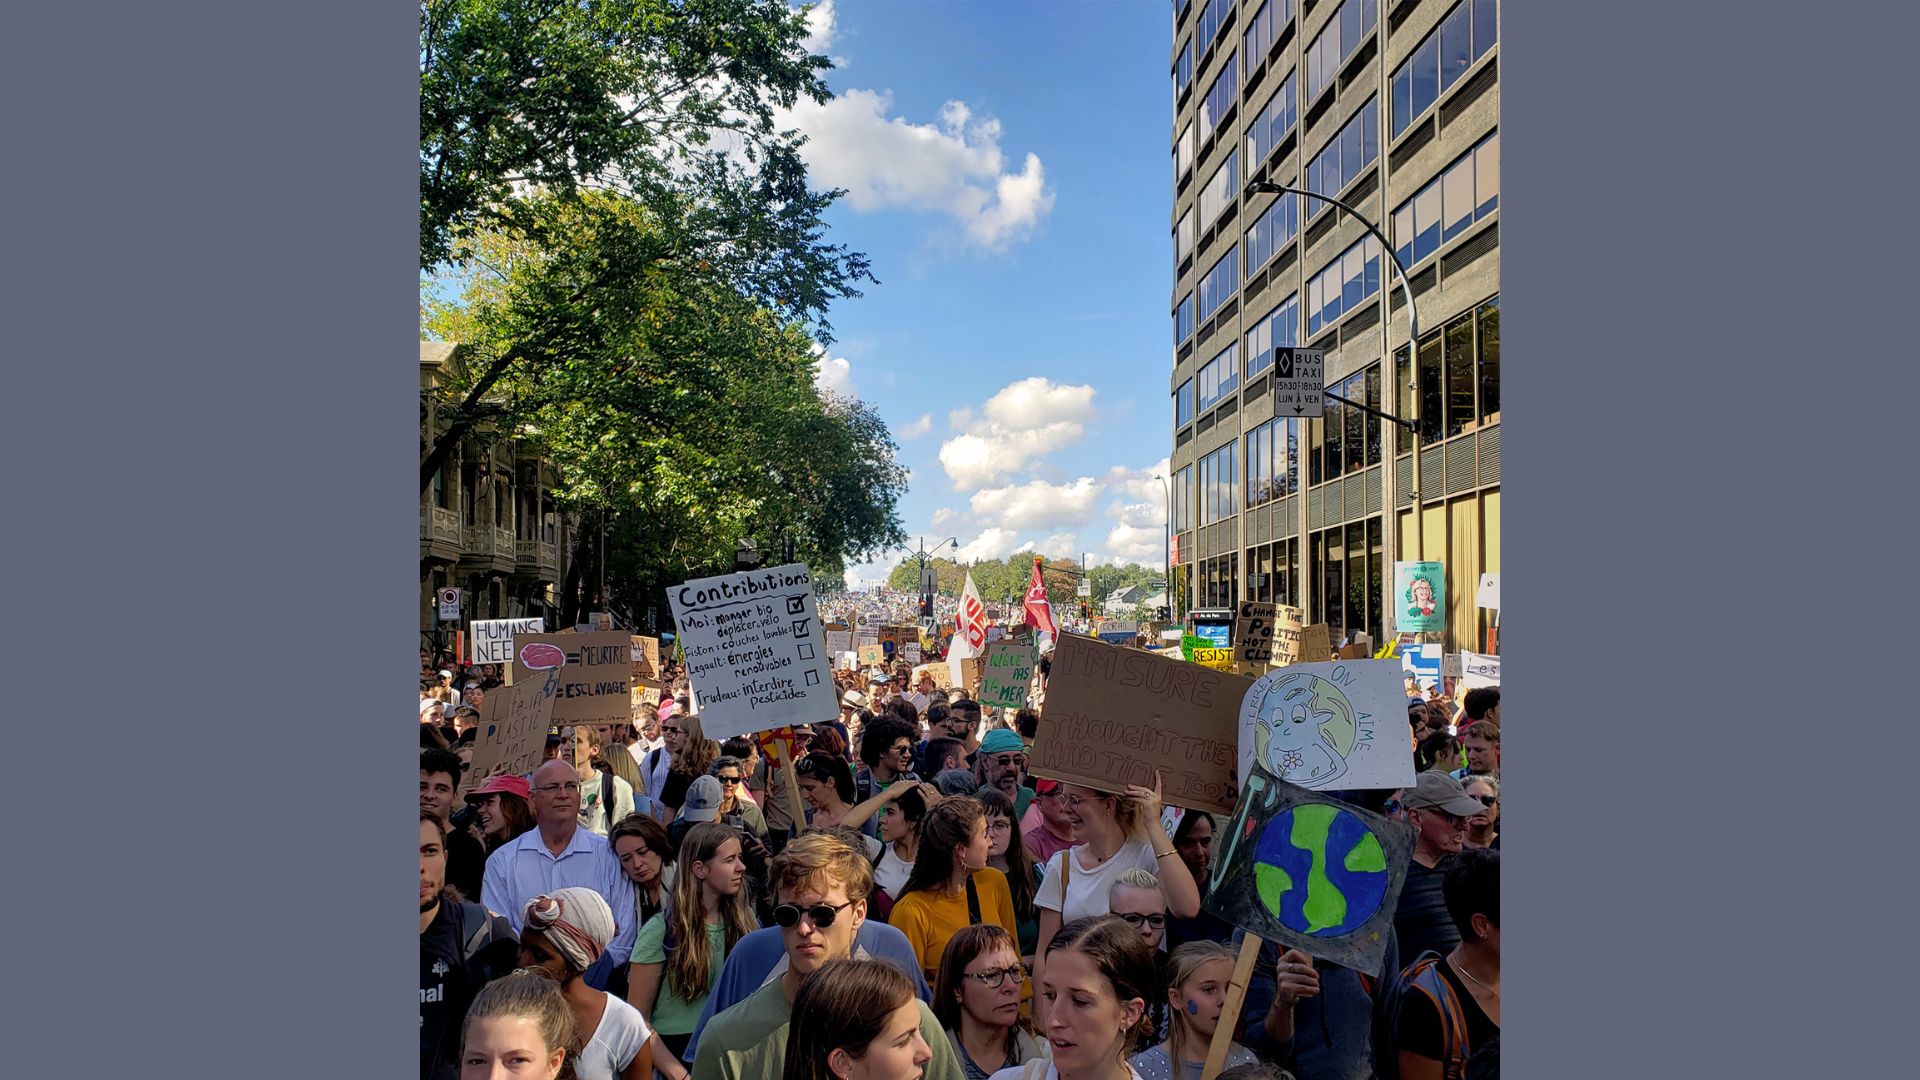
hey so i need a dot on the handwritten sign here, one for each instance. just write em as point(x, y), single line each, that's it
point(513, 730)
point(873, 656)
point(1217, 659)
point(1006, 676)
point(593, 673)
point(755, 650)
point(1316, 644)
point(493, 639)
point(646, 658)
point(1336, 725)
point(1113, 715)
point(839, 641)
point(1253, 631)
point(1479, 669)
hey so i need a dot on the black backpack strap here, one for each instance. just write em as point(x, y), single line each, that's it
point(606, 794)
point(475, 929)
point(973, 902)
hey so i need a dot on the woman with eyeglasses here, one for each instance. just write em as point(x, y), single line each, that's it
point(690, 760)
point(976, 998)
point(951, 886)
point(1007, 853)
point(1483, 828)
point(1112, 834)
point(670, 984)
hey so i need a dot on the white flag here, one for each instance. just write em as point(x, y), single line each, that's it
point(970, 625)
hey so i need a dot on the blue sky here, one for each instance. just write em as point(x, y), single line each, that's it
point(1008, 172)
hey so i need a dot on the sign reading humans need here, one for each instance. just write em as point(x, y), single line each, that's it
point(755, 650)
point(1299, 379)
point(592, 674)
point(493, 640)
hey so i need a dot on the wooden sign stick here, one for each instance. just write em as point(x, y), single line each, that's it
point(792, 785)
point(1230, 1012)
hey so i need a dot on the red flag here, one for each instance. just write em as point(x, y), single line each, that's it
point(1039, 613)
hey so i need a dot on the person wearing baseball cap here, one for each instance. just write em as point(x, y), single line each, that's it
point(1438, 808)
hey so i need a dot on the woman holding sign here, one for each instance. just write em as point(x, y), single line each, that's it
point(1112, 834)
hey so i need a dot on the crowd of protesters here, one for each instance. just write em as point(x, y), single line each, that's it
point(647, 902)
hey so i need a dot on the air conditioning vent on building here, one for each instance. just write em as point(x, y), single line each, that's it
point(1374, 485)
point(1490, 456)
point(1470, 91)
point(1470, 249)
point(1416, 137)
point(1314, 500)
point(1463, 472)
point(1361, 321)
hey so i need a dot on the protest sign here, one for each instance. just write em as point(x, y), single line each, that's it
point(512, 733)
point(1316, 644)
point(995, 633)
point(1420, 591)
point(1217, 659)
point(1253, 631)
point(1450, 665)
point(839, 640)
point(1190, 645)
point(1113, 715)
point(755, 651)
point(1284, 647)
point(1488, 595)
point(1006, 676)
point(910, 652)
point(1479, 669)
point(1310, 872)
point(1332, 725)
point(493, 639)
point(646, 658)
point(872, 656)
point(1423, 662)
point(593, 673)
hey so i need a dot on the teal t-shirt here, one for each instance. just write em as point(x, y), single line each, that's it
point(673, 1014)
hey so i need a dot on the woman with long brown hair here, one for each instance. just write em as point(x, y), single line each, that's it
point(1007, 853)
point(856, 1020)
point(678, 954)
point(951, 886)
point(976, 998)
point(1099, 978)
point(690, 760)
point(646, 857)
point(506, 810)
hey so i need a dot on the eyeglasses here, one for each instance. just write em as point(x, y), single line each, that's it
point(1391, 806)
point(995, 978)
point(730, 781)
point(903, 748)
point(821, 915)
point(1487, 800)
point(664, 730)
point(1134, 920)
point(571, 787)
point(999, 825)
point(1006, 761)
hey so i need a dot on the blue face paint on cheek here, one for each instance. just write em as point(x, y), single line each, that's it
point(1193, 1007)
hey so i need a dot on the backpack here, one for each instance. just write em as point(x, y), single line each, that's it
point(476, 931)
point(1421, 977)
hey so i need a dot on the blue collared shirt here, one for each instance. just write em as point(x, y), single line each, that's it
point(523, 868)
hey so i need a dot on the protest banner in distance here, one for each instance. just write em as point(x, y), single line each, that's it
point(1113, 715)
point(1423, 662)
point(1337, 725)
point(839, 640)
point(1310, 872)
point(493, 639)
point(1284, 648)
point(1488, 595)
point(872, 655)
point(1420, 593)
point(1478, 670)
point(1006, 675)
point(592, 673)
point(1253, 630)
point(910, 652)
point(646, 658)
point(755, 651)
point(1217, 659)
point(1316, 644)
point(512, 733)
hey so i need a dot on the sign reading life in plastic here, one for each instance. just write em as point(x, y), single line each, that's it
point(755, 650)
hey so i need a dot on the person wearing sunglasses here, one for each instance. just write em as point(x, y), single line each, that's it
point(976, 998)
point(820, 886)
point(1001, 764)
point(1438, 808)
point(1483, 828)
point(732, 774)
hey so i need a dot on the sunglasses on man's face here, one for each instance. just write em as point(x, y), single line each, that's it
point(1487, 800)
point(821, 915)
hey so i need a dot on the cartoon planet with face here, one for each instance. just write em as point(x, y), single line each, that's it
point(1303, 726)
point(1319, 870)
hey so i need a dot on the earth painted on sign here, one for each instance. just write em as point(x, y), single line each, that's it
point(1319, 870)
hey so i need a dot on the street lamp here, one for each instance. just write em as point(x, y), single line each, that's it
point(1413, 338)
point(1166, 543)
point(923, 556)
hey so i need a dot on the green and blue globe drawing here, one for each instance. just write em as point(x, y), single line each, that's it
point(1319, 870)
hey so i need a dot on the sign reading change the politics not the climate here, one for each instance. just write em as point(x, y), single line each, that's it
point(756, 653)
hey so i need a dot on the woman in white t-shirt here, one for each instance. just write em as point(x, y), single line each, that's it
point(1112, 834)
point(901, 807)
point(563, 934)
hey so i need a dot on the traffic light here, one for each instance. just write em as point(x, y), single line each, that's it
point(926, 605)
point(1086, 610)
point(1162, 613)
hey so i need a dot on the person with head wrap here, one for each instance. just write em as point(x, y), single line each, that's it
point(562, 934)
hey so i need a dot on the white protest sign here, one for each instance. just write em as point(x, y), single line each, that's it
point(1479, 669)
point(839, 641)
point(1489, 593)
point(1450, 665)
point(755, 652)
point(1423, 662)
point(1334, 726)
point(493, 639)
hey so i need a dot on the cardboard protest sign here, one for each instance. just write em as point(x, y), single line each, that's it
point(1113, 715)
point(1284, 645)
point(1316, 644)
point(1420, 590)
point(872, 656)
point(1217, 659)
point(1488, 595)
point(839, 641)
point(755, 651)
point(1450, 666)
point(1423, 662)
point(1006, 675)
point(1479, 669)
point(512, 734)
point(646, 657)
point(1253, 628)
point(1338, 725)
point(593, 673)
point(910, 652)
point(1310, 872)
point(493, 638)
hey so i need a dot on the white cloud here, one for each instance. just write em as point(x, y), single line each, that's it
point(917, 428)
point(945, 516)
point(1038, 504)
point(992, 544)
point(866, 575)
point(822, 29)
point(1022, 423)
point(833, 373)
point(954, 168)
point(1063, 545)
point(1129, 543)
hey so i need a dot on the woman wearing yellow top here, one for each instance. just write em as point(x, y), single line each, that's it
point(951, 886)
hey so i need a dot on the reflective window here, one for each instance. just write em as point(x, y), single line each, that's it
point(1278, 327)
point(1183, 237)
point(1275, 119)
point(1262, 27)
point(1216, 197)
point(1463, 36)
point(1183, 320)
point(1183, 70)
point(1220, 97)
point(1218, 286)
point(1275, 229)
point(1183, 499)
point(1463, 193)
point(1220, 377)
point(1345, 156)
point(1335, 42)
point(1183, 153)
point(1272, 471)
point(1183, 405)
point(1345, 282)
point(1219, 484)
point(1216, 14)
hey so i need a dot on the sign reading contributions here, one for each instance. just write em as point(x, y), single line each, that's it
point(756, 653)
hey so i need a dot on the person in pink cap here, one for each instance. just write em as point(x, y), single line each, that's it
point(505, 804)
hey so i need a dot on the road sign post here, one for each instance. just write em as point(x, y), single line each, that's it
point(1299, 382)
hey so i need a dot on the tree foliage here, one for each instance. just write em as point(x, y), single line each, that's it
point(1000, 579)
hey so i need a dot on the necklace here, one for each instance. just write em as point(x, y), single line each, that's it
point(1462, 969)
